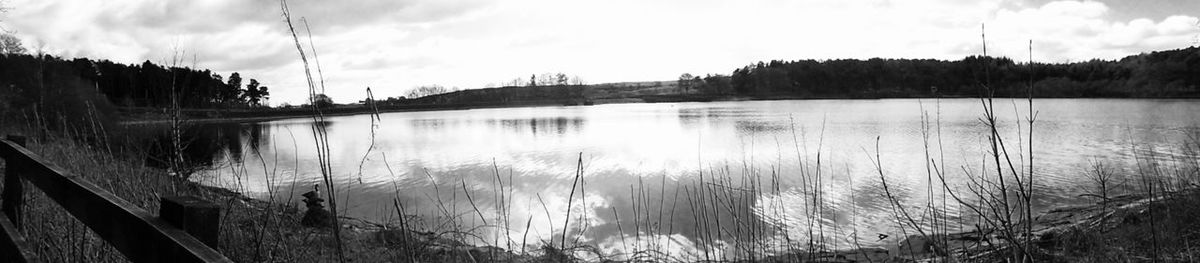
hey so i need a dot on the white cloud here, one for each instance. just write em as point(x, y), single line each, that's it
point(1065, 31)
point(395, 45)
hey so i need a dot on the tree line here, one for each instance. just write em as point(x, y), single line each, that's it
point(151, 85)
point(565, 94)
point(544, 79)
point(62, 92)
point(709, 84)
point(137, 85)
point(1171, 73)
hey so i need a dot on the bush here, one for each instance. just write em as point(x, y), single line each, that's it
point(323, 101)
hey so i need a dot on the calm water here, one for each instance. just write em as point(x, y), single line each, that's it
point(633, 150)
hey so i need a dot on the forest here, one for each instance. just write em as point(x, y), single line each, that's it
point(522, 95)
point(83, 90)
point(1171, 73)
point(1161, 74)
point(81, 87)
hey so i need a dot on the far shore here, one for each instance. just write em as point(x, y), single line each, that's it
point(152, 116)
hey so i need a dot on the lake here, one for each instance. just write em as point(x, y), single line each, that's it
point(688, 177)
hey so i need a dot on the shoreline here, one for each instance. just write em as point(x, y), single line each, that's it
point(368, 240)
point(203, 116)
point(1049, 228)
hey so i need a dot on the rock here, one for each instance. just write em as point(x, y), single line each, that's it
point(317, 217)
point(914, 245)
point(395, 237)
point(866, 255)
point(491, 253)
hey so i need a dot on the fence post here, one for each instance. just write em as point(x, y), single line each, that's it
point(197, 217)
point(14, 189)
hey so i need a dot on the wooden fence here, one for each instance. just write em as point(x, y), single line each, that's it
point(185, 232)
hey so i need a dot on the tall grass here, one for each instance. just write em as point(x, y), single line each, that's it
point(1000, 195)
point(1001, 199)
point(321, 138)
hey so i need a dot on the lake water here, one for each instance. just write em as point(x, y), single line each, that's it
point(671, 173)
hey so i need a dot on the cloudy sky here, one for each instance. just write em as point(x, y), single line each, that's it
point(395, 45)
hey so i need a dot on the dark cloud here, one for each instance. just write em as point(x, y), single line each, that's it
point(233, 35)
point(370, 64)
point(257, 61)
point(1131, 9)
point(185, 17)
point(331, 17)
point(470, 42)
point(203, 17)
point(390, 63)
point(213, 16)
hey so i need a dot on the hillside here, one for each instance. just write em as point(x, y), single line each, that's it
point(1162, 74)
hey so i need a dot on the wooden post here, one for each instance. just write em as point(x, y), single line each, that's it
point(20, 140)
point(197, 217)
point(13, 247)
point(14, 189)
point(138, 234)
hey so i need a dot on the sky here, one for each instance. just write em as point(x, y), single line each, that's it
point(393, 46)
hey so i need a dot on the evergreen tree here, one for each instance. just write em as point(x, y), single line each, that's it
point(233, 88)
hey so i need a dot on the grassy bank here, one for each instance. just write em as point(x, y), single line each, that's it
point(251, 230)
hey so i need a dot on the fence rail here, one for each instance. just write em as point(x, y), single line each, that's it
point(138, 234)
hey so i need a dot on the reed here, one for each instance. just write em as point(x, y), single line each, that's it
point(1000, 199)
point(321, 138)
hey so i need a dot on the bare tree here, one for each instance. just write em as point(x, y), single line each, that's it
point(546, 79)
point(10, 44)
point(1101, 177)
point(577, 81)
point(427, 90)
point(685, 82)
point(561, 79)
point(516, 82)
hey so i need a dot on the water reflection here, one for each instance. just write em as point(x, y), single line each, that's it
point(430, 124)
point(697, 176)
point(752, 126)
point(541, 126)
point(200, 145)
